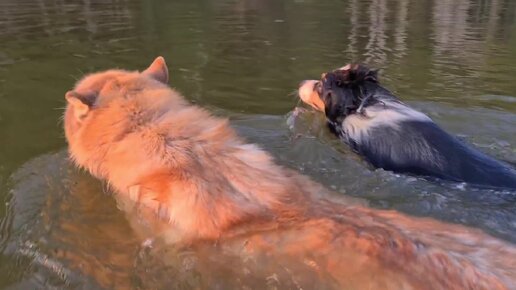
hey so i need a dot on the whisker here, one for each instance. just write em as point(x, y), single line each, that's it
point(60, 120)
point(292, 93)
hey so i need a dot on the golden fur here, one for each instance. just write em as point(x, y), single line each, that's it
point(193, 171)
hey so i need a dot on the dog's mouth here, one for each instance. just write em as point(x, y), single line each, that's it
point(310, 95)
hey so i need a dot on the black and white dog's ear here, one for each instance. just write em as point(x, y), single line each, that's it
point(372, 75)
point(359, 73)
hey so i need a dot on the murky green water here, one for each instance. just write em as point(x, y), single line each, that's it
point(454, 60)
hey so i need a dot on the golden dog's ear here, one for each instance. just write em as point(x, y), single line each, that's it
point(158, 70)
point(81, 104)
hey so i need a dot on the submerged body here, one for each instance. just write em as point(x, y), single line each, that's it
point(395, 137)
point(190, 169)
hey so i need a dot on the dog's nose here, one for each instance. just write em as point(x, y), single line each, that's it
point(302, 83)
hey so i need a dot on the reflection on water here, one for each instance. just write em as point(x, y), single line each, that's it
point(454, 60)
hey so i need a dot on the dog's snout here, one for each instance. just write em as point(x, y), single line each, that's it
point(308, 94)
point(307, 84)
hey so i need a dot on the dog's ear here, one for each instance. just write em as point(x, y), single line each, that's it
point(81, 103)
point(360, 73)
point(158, 70)
point(372, 75)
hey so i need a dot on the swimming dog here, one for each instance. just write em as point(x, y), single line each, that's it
point(391, 135)
point(192, 171)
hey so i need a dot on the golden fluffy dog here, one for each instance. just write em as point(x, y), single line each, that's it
point(192, 170)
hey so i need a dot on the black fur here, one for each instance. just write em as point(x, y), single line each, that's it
point(418, 147)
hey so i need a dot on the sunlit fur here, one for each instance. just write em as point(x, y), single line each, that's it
point(193, 171)
point(393, 136)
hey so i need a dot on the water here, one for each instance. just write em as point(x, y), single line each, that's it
point(60, 228)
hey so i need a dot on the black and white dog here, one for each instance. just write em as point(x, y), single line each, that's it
point(391, 135)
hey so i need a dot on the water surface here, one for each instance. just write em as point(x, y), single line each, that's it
point(453, 60)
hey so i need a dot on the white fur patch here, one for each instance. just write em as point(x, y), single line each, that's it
point(388, 113)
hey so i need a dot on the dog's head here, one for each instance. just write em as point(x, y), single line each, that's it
point(96, 91)
point(339, 93)
point(106, 104)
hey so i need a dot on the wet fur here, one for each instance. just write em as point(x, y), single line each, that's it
point(190, 169)
point(391, 135)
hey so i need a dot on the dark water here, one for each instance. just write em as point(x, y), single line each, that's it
point(454, 60)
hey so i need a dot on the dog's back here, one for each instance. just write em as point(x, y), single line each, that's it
point(423, 148)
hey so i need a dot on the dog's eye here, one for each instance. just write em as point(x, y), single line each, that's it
point(338, 83)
